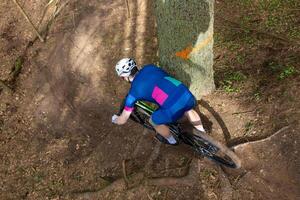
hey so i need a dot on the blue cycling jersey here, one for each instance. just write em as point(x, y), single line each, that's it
point(154, 85)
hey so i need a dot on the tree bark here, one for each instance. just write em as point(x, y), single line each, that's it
point(185, 36)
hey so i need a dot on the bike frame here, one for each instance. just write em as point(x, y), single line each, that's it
point(144, 106)
point(174, 128)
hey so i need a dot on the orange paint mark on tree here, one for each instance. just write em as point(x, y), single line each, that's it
point(184, 54)
point(203, 43)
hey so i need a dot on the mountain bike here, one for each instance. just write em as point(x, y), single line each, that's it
point(200, 142)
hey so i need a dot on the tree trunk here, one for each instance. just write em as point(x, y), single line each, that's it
point(185, 36)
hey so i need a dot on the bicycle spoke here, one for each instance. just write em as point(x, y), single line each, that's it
point(211, 150)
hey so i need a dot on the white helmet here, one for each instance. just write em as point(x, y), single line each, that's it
point(124, 67)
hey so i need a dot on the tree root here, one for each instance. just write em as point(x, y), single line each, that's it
point(184, 181)
point(117, 186)
point(188, 180)
point(138, 179)
point(154, 155)
point(5, 86)
point(226, 187)
point(246, 140)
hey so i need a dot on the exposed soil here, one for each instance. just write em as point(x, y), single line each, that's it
point(57, 141)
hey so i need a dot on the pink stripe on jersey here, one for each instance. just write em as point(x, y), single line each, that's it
point(159, 95)
point(128, 108)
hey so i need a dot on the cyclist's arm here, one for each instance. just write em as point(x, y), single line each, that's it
point(122, 119)
point(129, 106)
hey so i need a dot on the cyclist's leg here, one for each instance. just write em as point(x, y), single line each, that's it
point(163, 130)
point(195, 119)
point(158, 120)
point(189, 112)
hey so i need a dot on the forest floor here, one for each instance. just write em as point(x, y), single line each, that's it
point(57, 98)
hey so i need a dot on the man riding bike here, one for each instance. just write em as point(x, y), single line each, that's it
point(153, 84)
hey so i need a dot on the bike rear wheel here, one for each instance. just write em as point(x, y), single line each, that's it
point(212, 149)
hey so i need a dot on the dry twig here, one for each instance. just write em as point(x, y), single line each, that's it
point(46, 9)
point(149, 197)
point(166, 194)
point(124, 173)
point(57, 10)
point(128, 10)
point(247, 111)
point(27, 18)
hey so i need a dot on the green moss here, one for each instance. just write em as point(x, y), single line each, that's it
point(287, 72)
point(38, 177)
point(270, 5)
point(229, 84)
point(248, 126)
point(17, 67)
point(294, 33)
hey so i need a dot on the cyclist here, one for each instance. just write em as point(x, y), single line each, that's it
point(153, 84)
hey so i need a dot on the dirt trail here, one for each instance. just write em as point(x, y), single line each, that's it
point(271, 167)
point(57, 140)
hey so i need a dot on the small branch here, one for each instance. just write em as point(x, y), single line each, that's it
point(27, 18)
point(45, 28)
point(127, 5)
point(60, 8)
point(243, 112)
point(166, 194)
point(48, 4)
point(73, 20)
point(45, 10)
point(149, 196)
point(124, 173)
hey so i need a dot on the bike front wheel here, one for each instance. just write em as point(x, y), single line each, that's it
point(212, 149)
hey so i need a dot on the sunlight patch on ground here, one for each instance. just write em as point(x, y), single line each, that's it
point(141, 29)
point(86, 56)
point(135, 25)
point(128, 31)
